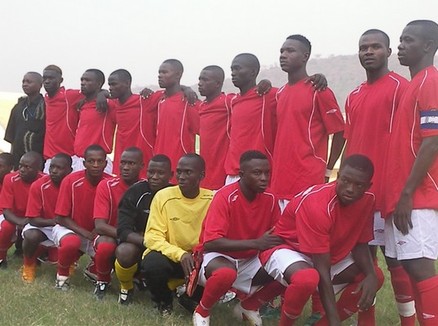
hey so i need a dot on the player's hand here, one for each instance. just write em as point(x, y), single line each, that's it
point(318, 81)
point(101, 101)
point(369, 289)
point(402, 214)
point(268, 240)
point(91, 235)
point(187, 263)
point(146, 92)
point(189, 94)
point(263, 87)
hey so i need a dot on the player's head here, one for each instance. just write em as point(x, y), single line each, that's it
point(52, 79)
point(131, 163)
point(354, 178)
point(92, 81)
point(170, 73)
point(94, 161)
point(190, 170)
point(119, 83)
point(159, 172)
point(60, 166)
point(32, 83)
point(294, 53)
point(418, 43)
point(211, 80)
point(374, 50)
point(254, 171)
point(30, 165)
point(244, 69)
point(6, 164)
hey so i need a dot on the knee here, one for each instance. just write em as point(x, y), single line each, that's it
point(32, 236)
point(226, 275)
point(127, 254)
point(70, 242)
point(105, 249)
point(306, 279)
point(156, 265)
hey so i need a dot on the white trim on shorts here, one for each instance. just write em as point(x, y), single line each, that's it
point(379, 230)
point(60, 231)
point(46, 230)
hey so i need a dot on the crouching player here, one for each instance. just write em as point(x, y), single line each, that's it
point(328, 227)
point(40, 212)
point(238, 225)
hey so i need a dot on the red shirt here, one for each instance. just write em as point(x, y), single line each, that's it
point(214, 133)
point(415, 120)
point(15, 193)
point(95, 128)
point(76, 199)
point(233, 217)
point(42, 198)
point(108, 195)
point(253, 127)
point(370, 110)
point(62, 119)
point(305, 120)
point(177, 125)
point(315, 222)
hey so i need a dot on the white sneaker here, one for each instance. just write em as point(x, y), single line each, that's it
point(252, 316)
point(198, 320)
point(62, 282)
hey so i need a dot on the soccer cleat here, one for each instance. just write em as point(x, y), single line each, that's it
point(3, 264)
point(187, 303)
point(100, 289)
point(28, 273)
point(125, 296)
point(62, 282)
point(252, 316)
point(165, 309)
point(198, 320)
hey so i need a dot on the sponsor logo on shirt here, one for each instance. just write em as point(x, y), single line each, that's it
point(174, 219)
point(234, 198)
point(428, 316)
point(401, 242)
point(331, 111)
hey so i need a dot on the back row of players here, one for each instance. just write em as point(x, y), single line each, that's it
point(390, 120)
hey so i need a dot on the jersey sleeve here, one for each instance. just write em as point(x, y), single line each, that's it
point(102, 201)
point(64, 202)
point(34, 206)
point(329, 109)
point(217, 219)
point(428, 108)
point(126, 216)
point(193, 117)
point(7, 193)
point(12, 125)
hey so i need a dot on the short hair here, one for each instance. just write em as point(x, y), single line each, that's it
point(430, 30)
point(198, 158)
point(64, 156)
point(99, 75)
point(123, 74)
point(359, 162)
point(252, 155)
point(36, 74)
point(161, 158)
point(217, 70)
point(7, 158)
point(253, 61)
point(176, 64)
point(94, 148)
point(35, 156)
point(302, 39)
point(134, 149)
point(378, 31)
point(54, 68)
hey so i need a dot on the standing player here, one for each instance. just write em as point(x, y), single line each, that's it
point(173, 229)
point(306, 118)
point(74, 213)
point(411, 231)
point(133, 214)
point(370, 110)
point(239, 225)
point(40, 212)
point(108, 195)
point(13, 200)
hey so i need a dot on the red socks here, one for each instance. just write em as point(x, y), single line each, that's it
point(104, 260)
point(428, 298)
point(267, 293)
point(68, 253)
point(31, 261)
point(7, 230)
point(404, 295)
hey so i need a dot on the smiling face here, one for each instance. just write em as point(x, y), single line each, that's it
point(373, 51)
point(351, 184)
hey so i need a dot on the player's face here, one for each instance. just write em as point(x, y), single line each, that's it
point(158, 174)
point(28, 169)
point(4, 169)
point(168, 76)
point(411, 48)
point(117, 86)
point(58, 169)
point(52, 81)
point(95, 163)
point(89, 83)
point(293, 55)
point(255, 175)
point(241, 72)
point(208, 83)
point(30, 84)
point(131, 164)
point(351, 184)
point(373, 52)
point(188, 175)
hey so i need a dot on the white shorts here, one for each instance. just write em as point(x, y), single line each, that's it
point(379, 230)
point(231, 179)
point(77, 164)
point(283, 203)
point(60, 231)
point(246, 270)
point(46, 230)
point(420, 242)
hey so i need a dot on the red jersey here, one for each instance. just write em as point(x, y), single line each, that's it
point(136, 124)
point(214, 134)
point(42, 198)
point(177, 126)
point(62, 119)
point(108, 195)
point(416, 119)
point(305, 120)
point(253, 127)
point(370, 110)
point(315, 222)
point(76, 199)
point(15, 193)
point(233, 217)
point(95, 127)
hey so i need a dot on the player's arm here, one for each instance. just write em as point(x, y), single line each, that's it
point(42, 222)
point(322, 263)
point(11, 217)
point(103, 228)
point(126, 221)
point(69, 223)
point(319, 81)
point(427, 154)
point(335, 150)
point(101, 100)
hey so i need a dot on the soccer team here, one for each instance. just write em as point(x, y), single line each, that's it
point(254, 215)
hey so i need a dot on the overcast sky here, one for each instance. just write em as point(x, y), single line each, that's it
point(138, 34)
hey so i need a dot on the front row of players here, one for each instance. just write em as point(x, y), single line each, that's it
point(245, 244)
